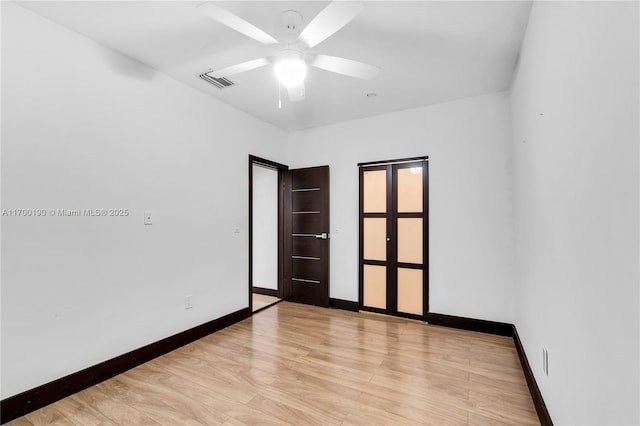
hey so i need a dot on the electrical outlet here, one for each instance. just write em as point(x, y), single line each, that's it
point(188, 302)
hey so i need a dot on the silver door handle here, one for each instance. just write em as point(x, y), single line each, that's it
point(322, 236)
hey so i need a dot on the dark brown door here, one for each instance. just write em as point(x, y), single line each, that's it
point(306, 278)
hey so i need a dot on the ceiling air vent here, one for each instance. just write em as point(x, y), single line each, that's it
point(220, 83)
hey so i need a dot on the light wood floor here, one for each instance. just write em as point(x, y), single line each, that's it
point(261, 300)
point(297, 364)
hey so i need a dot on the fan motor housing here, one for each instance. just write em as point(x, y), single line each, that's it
point(291, 20)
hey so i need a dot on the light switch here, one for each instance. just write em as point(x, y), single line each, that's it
point(147, 217)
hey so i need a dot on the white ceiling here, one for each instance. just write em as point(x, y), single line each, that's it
point(428, 51)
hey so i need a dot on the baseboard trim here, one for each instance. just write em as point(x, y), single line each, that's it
point(471, 324)
point(265, 291)
point(18, 405)
point(536, 395)
point(346, 305)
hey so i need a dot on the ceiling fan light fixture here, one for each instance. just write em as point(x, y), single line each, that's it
point(291, 64)
point(290, 70)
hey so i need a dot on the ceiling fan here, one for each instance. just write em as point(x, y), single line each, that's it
point(293, 52)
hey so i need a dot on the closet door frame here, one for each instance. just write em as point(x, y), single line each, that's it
point(391, 215)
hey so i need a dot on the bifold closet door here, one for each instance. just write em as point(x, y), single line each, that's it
point(393, 239)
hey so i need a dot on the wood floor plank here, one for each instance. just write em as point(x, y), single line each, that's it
point(330, 396)
point(427, 413)
point(79, 413)
point(181, 407)
point(148, 404)
point(22, 421)
point(49, 415)
point(303, 365)
point(115, 411)
point(215, 399)
point(286, 410)
point(366, 415)
point(202, 373)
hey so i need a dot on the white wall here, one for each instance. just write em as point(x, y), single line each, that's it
point(265, 227)
point(471, 245)
point(575, 143)
point(84, 127)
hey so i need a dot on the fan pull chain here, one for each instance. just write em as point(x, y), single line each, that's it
point(279, 97)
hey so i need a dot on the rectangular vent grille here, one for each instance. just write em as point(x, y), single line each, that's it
point(220, 83)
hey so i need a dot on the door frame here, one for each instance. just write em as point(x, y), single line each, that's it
point(392, 250)
point(281, 169)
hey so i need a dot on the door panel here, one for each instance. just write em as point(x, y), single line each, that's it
point(410, 189)
point(375, 286)
point(305, 292)
point(410, 291)
point(375, 238)
point(309, 269)
point(375, 191)
point(306, 201)
point(307, 234)
point(307, 247)
point(307, 224)
point(409, 235)
point(308, 179)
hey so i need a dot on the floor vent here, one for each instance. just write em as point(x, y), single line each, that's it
point(220, 83)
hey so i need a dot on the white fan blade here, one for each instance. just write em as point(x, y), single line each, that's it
point(238, 68)
point(346, 66)
point(333, 17)
point(235, 22)
point(296, 94)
